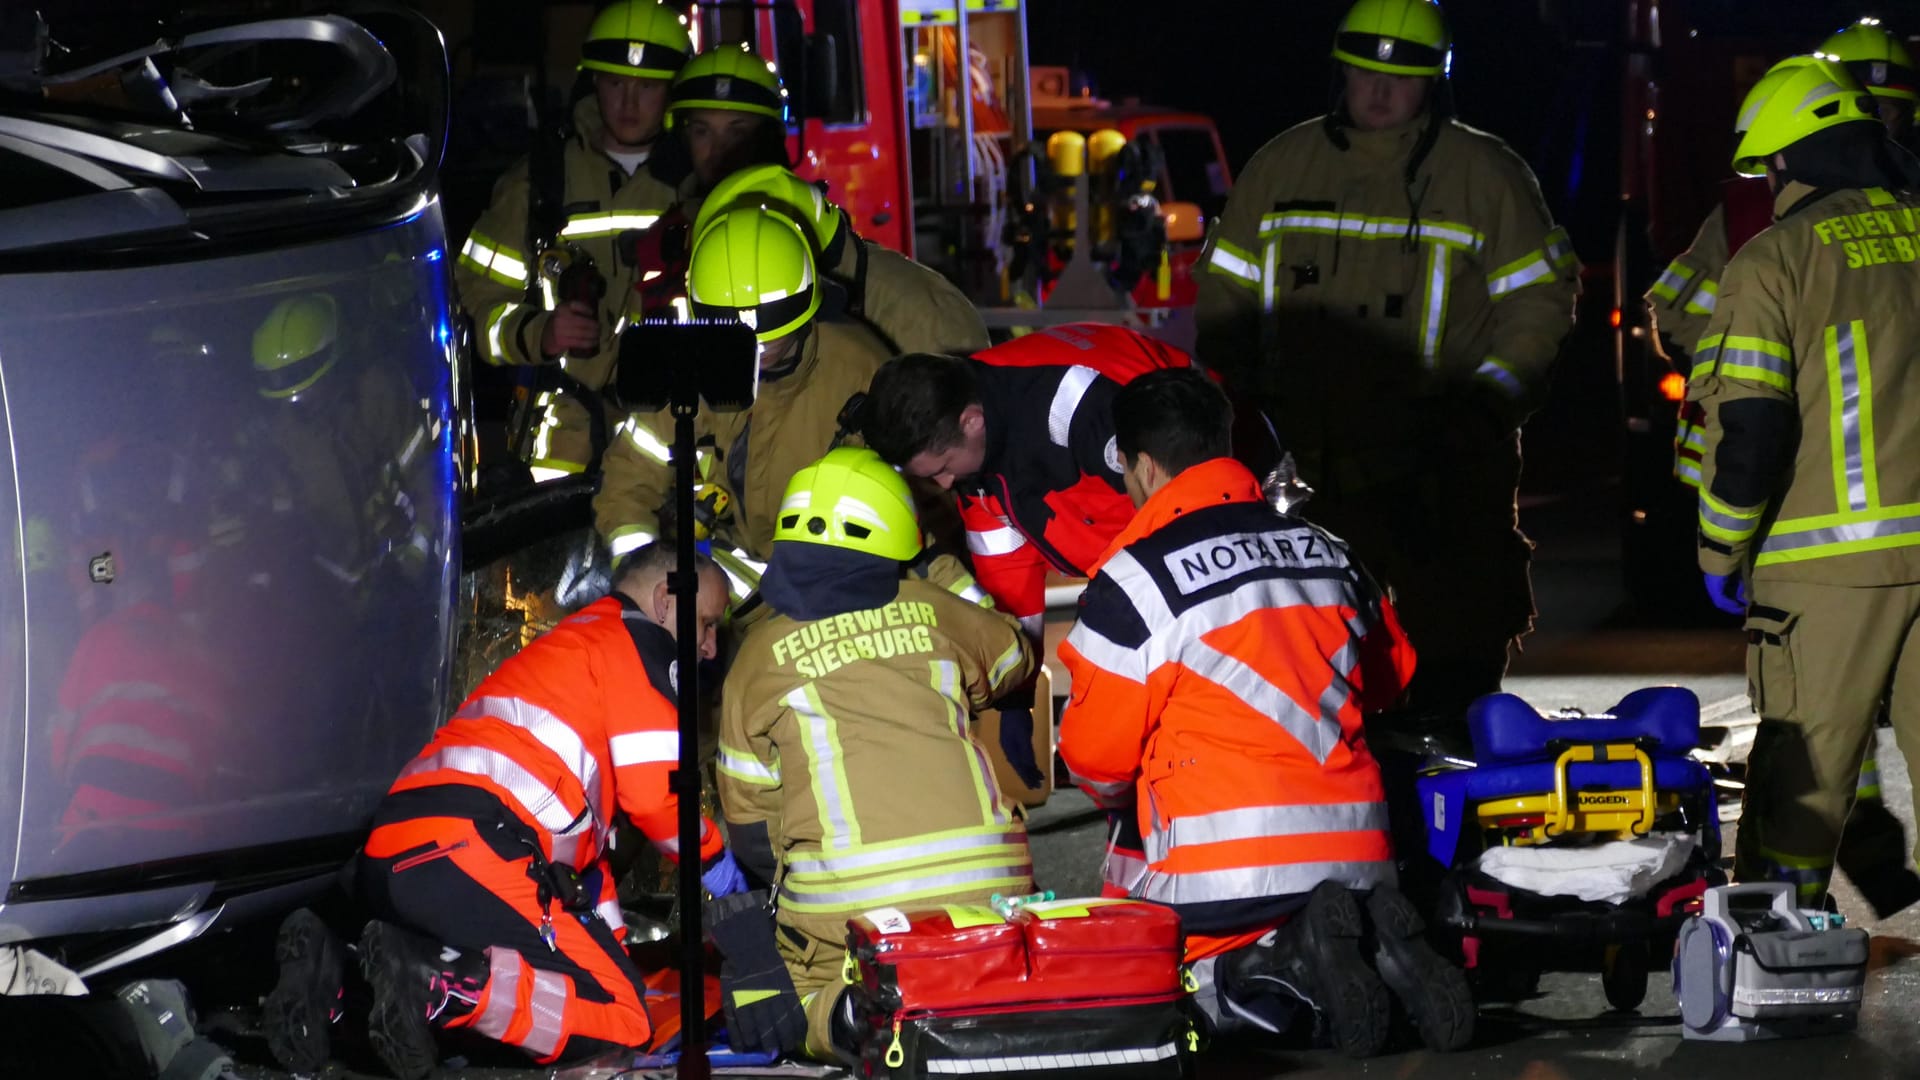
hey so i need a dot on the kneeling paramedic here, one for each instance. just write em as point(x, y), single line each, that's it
point(844, 749)
point(486, 871)
point(1223, 660)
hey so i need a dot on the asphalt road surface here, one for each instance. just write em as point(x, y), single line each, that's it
point(1587, 653)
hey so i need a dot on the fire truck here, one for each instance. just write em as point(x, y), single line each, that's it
point(920, 117)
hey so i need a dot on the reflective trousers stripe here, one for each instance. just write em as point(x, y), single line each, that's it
point(545, 1005)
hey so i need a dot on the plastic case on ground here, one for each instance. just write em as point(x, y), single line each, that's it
point(1752, 966)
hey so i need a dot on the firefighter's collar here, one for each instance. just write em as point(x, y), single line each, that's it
point(1794, 195)
point(1390, 142)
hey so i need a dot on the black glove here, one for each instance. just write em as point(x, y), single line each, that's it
point(1016, 742)
point(763, 1010)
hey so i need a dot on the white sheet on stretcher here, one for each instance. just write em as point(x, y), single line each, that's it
point(1612, 872)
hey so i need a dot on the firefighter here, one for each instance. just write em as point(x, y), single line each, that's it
point(1806, 475)
point(838, 753)
point(912, 306)
point(726, 111)
point(1873, 848)
point(809, 368)
point(729, 108)
point(1207, 642)
point(600, 185)
point(1682, 298)
point(1387, 282)
point(486, 874)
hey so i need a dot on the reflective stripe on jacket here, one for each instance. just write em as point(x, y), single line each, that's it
point(1221, 666)
point(1815, 327)
point(576, 725)
point(849, 737)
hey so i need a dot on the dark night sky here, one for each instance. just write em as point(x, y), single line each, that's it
point(1260, 67)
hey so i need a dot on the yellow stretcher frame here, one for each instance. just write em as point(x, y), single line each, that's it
point(1623, 813)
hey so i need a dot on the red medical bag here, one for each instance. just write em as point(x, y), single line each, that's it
point(1069, 988)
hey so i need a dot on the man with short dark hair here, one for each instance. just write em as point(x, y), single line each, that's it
point(1224, 659)
point(1023, 433)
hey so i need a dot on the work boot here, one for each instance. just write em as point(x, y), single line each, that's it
point(1434, 993)
point(1316, 957)
point(305, 1003)
point(418, 985)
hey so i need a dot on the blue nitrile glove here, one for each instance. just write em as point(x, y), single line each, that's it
point(723, 877)
point(1728, 593)
point(1016, 741)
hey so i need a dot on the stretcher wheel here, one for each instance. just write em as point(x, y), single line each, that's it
point(1623, 975)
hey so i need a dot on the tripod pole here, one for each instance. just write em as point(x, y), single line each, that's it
point(684, 584)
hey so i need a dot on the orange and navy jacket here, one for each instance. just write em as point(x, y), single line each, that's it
point(1224, 657)
point(574, 725)
point(1051, 492)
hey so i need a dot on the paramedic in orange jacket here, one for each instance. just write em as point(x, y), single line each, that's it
point(486, 870)
point(1224, 657)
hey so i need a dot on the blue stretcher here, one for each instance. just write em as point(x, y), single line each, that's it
point(1550, 779)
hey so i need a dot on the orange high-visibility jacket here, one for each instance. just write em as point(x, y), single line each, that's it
point(575, 724)
point(1223, 659)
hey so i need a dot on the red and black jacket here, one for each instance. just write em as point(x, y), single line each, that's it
point(1050, 493)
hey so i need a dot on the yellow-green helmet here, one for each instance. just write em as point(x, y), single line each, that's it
point(294, 345)
point(776, 188)
point(1399, 37)
point(729, 77)
point(754, 265)
point(1875, 57)
point(643, 38)
point(851, 499)
point(1793, 100)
